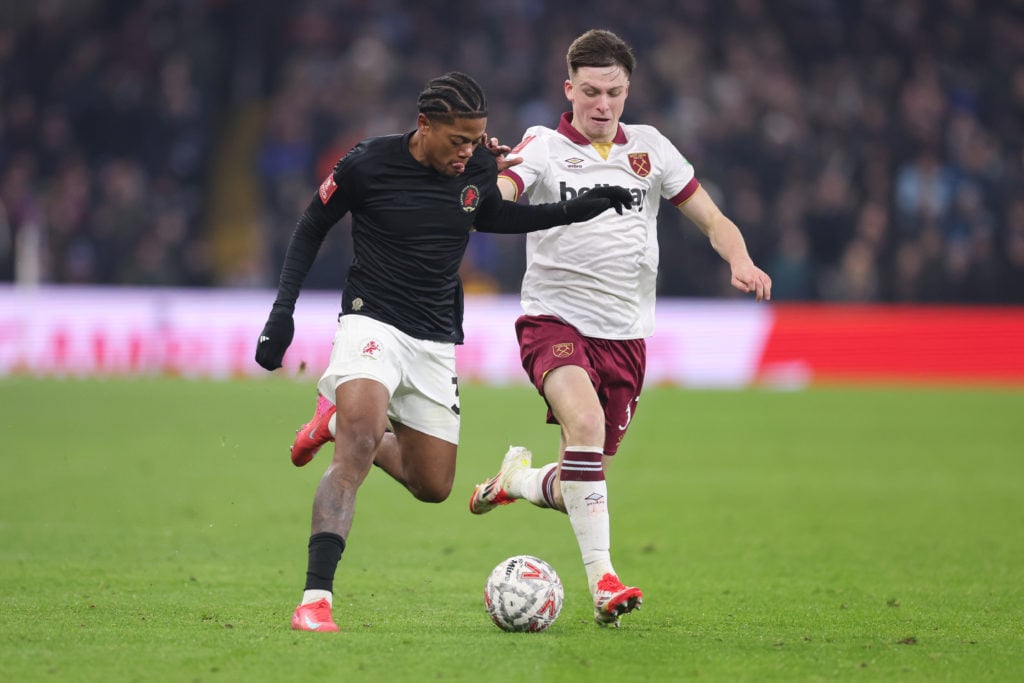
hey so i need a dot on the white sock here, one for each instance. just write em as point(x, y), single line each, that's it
point(529, 485)
point(314, 595)
point(586, 503)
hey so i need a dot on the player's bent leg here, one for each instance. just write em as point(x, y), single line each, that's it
point(310, 437)
point(427, 463)
point(388, 457)
point(494, 492)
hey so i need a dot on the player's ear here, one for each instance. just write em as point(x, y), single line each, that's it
point(568, 90)
point(422, 123)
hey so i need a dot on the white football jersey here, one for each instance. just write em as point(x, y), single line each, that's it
point(598, 276)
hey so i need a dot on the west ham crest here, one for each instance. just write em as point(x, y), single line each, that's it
point(562, 350)
point(640, 163)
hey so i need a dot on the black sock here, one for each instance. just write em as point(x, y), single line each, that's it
point(325, 551)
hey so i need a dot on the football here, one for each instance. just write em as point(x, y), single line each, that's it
point(523, 593)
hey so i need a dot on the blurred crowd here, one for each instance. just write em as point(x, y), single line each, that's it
point(869, 150)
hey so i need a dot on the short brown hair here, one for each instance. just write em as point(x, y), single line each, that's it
point(598, 47)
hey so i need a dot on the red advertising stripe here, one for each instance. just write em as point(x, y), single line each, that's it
point(917, 343)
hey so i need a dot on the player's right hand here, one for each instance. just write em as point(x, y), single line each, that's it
point(501, 153)
point(274, 340)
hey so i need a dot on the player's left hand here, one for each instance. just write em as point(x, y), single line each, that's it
point(274, 340)
point(747, 277)
point(500, 153)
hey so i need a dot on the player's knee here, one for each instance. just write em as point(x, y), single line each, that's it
point(431, 492)
point(358, 442)
point(586, 428)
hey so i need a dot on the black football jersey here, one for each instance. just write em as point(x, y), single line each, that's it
point(410, 229)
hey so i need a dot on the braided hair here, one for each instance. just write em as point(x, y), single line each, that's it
point(451, 96)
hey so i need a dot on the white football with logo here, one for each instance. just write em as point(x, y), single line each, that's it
point(523, 593)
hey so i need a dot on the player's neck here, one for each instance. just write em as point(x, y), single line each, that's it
point(416, 148)
point(589, 139)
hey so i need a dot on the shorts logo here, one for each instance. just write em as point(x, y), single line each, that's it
point(470, 198)
point(629, 415)
point(327, 188)
point(640, 163)
point(562, 350)
point(371, 349)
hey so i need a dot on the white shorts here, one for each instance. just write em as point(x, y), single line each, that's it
point(419, 375)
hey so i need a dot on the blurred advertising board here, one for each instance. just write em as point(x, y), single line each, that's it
point(211, 333)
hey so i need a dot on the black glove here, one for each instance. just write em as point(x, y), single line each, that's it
point(596, 201)
point(276, 336)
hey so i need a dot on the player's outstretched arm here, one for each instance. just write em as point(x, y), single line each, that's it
point(279, 329)
point(509, 217)
point(727, 240)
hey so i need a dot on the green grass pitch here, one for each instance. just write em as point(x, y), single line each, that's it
point(155, 530)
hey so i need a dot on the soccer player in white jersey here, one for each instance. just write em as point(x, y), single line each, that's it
point(588, 297)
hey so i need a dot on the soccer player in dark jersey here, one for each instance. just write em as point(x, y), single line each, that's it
point(414, 198)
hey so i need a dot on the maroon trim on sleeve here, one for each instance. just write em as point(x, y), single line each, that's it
point(514, 177)
point(685, 193)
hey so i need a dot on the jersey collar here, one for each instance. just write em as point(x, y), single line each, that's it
point(566, 129)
